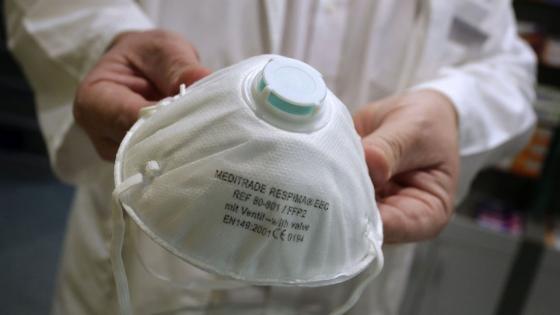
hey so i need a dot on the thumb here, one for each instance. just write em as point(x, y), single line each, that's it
point(187, 75)
point(385, 150)
point(167, 60)
point(174, 69)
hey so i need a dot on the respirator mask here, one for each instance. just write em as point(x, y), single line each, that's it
point(255, 174)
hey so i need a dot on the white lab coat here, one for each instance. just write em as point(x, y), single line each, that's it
point(366, 50)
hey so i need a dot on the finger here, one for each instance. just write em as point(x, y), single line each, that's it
point(189, 75)
point(411, 215)
point(366, 120)
point(172, 69)
point(126, 106)
point(115, 68)
point(400, 227)
point(137, 84)
point(383, 137)
point(419, 209)
point(391, 187)
point(369, 118)
point(108, 109)
point(402, 142)
point(385, 149)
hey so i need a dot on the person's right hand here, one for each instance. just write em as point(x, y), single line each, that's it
point(138, 69)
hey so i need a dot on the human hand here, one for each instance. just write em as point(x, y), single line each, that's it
point(138, 69)
point(411, 149)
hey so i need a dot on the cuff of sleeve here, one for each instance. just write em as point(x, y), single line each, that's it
point(76, 41)
point(135, 20)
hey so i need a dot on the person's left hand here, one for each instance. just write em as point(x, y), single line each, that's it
point(411, 149)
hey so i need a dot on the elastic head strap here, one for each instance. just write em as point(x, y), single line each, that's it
point(195, 284)
point(121, 281)
point(119, 272)
point(369, 274)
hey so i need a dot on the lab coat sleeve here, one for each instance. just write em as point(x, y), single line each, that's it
point(492, 92)
point(56, 42)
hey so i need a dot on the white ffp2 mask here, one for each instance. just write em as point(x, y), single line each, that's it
point(255, 174)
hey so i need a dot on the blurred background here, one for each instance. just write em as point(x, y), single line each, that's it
point(500, 255)
point(33, 204)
